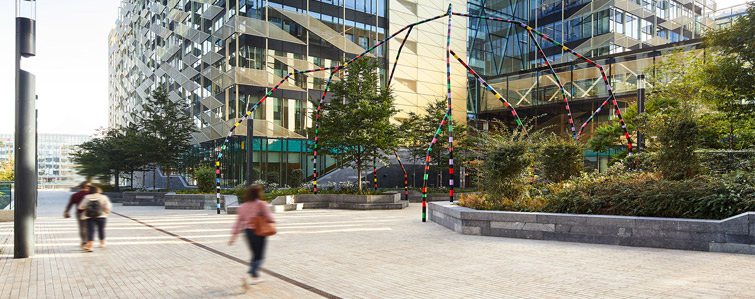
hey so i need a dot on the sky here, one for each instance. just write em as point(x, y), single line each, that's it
point(71, 65)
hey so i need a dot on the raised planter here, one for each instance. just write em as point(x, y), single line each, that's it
point(334, 201)
point(416, 196)
point(115, 197)
point(195, 201)
point(735, 234)
point(143, 198)
point(351, 202)
point(6, 215)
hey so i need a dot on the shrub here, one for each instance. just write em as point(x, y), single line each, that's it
point(273, 177)
point(296, 178)
point(677, 136)
point(476, 201)
point(645, 194)
point(205, 177)
point(560, 159)
point(505, 167)
point(644, 161)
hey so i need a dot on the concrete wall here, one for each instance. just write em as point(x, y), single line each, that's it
point(194, 201)
point(351, 202)
point(143, 198)
point(416, 196)
point(735, 234)
point(115, 197)
point(6, 215)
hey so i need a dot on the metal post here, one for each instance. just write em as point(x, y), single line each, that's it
point(26, 131)
point(640, 108)
point(249, 150)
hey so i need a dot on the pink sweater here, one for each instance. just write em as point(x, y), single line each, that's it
point(247, 211)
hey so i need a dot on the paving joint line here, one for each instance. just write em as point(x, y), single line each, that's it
point(235, 259)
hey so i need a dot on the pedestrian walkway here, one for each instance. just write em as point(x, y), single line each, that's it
point(157, 253)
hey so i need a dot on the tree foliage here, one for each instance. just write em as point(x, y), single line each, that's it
point(205, 177)
point(732, 67)
point(355, 124)
point(418, 130)
point(7, 170)
point(560, 159)
point(165, 123)
point(115, 151)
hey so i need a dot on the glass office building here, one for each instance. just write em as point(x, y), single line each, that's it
point(56, 169)
point(624, 36)
point(725, 17)
point(220, 57)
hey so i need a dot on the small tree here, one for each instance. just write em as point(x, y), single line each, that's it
point(295, 178)
point(355, 124)
point(7, 170)
point(169, 127)
point(205, 177)
point(507, 157)
point(418, 130)
point(677, 137)
point(560, 159)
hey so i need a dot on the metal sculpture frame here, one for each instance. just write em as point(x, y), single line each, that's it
point(447, 117)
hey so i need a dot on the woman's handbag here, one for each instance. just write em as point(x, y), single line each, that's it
point(263, 228)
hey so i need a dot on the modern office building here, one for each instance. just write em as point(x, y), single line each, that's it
point(626, 37)
point(725, 17)
point(220, 57)
point(56, 169)
point(623, 36)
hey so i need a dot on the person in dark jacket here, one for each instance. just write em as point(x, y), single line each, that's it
point(74, 202)
point(97, 220)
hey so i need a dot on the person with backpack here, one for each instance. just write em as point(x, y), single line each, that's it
point(95, 207)
point(255, 219)
point(74, 201)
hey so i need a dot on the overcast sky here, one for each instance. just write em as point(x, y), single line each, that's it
point(71, 64)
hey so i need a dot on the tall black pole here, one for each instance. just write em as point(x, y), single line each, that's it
point(249, 151)
point(26, 134)
point(640, 108)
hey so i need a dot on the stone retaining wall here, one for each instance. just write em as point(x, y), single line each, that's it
point(143, 198)
point(735, 234)
point(350, 202)
point(415, 196)
point(6, 215)
point(115, 197)
point(194, 201)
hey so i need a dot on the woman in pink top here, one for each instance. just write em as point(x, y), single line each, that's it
point(253, 206)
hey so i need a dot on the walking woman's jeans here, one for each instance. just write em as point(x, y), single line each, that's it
point(100, 224)
point(257, 244)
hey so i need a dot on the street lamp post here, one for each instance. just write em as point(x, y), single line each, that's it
point(26, 130)
point(640, 108)
point(249, 150)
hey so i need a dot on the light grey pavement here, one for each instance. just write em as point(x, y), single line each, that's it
point(349, 254)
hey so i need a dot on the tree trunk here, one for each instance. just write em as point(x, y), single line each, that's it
point(167, 175)
point(359, 177)
point(154, 178)
point(132, 180)
point(117, 180)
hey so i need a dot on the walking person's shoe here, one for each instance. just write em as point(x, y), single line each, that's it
point(88, 246)
point(102, 244)
point(244, 284)
point(256, 280)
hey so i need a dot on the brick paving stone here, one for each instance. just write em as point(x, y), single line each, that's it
point(351, 254)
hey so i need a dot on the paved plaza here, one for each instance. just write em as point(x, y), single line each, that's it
point(158, 253)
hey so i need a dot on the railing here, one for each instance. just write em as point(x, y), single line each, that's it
point(6, 195)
